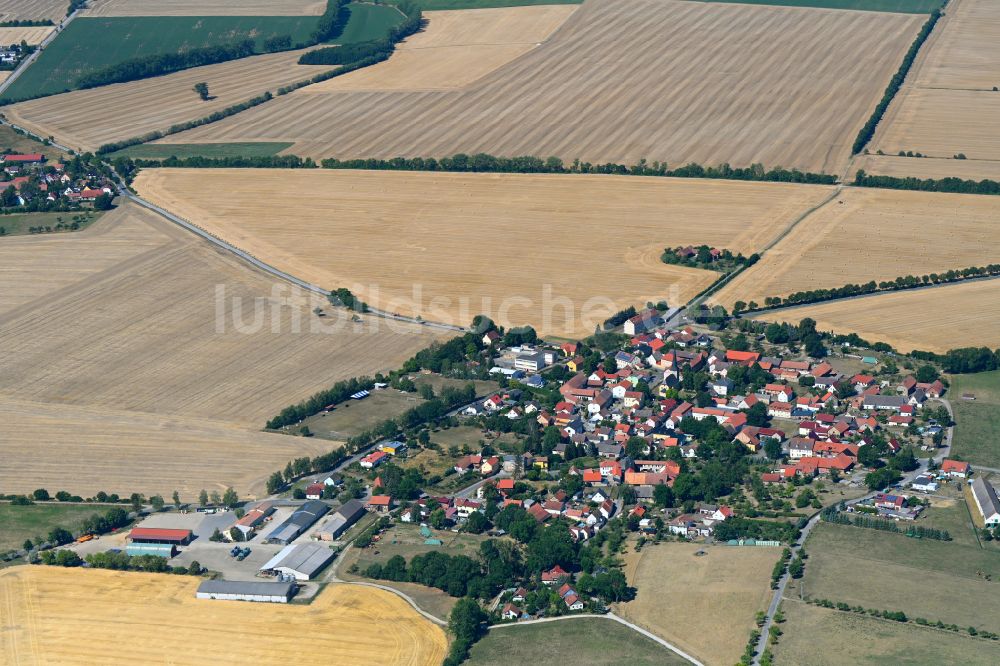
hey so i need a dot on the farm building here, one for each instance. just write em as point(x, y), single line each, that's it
point(254, 518)
point(986, 499)
point(166, 550)
point(302, 561)
point(297, 523)
point(279, 593)
point(159, 535)
point(342, 519)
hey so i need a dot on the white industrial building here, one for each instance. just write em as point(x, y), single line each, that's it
point(986, 499)
point(279, 593)
point(300, 561)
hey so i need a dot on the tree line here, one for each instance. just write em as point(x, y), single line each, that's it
point(872, 287)
point(379, 49)
point(954, 185)
point(164, 63)
point(26, 23)
point(868, 130)
point(963, 360)
point(180, 127)
point(834, 515)
point(483, 162)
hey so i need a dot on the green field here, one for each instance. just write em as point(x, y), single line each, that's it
point(977, 422)
point(935, 580)
point(368, 22)
point(431, 5)
point(20, 223)
point(581, 642)
point(90, 44)
point(212, 150)
point(28, 522)
point(899, 6)
point(825, 637)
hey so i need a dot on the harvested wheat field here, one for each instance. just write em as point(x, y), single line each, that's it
point(206, 8)
point(965, 51)
point(949, 105)
point(903, 167)
point(623, 80)
point(148, 334)
point(872, 234)
point(85, 119)
point(124, 451)
point(32, 10)
point(456, 48)
point(943, 123)
point(76, 616)
point(30, 34)
point(150, 352)
point(704, 605)
point(482, 243)
point(935, 319)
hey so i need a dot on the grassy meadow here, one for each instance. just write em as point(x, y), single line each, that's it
point(590, 641)
point(977, 422)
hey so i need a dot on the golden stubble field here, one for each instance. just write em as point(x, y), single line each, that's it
point(903, 167)
point(456, 48)
point(206, 8)
point(623, 80)
point(32, 10)
point(937, 319)
point(86, 119)
point(147, 329)
point(74, 616)
point(949, 105)
point(703, 604)
point(871, 234)
point(498, 241)
point(30, 34)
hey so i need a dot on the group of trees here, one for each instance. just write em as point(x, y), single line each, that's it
point(120, 561)
point(950, 184)
point(725, 262)
point(344, 298)
point(368, 52)
point(482, 162)
point(866, 133)
point(964, 360)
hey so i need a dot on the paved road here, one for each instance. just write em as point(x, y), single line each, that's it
point(783, 581)
point(609, 616)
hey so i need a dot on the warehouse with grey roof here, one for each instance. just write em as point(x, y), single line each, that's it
point(279, 593)
point(342, 519)
point(300, 561)
point(297, 523)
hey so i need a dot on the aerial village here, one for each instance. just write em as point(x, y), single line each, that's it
point(662, 432)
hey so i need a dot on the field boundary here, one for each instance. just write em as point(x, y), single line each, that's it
point(267, 268)
point(609, 616)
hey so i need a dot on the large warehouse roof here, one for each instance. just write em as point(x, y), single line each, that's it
point(344, 517)
point(306, 559)
point(159, 534)
point(246, 588)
